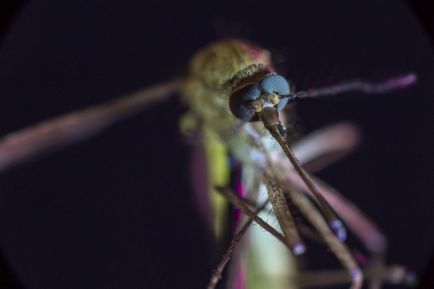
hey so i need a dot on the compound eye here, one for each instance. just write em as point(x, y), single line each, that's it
point(240, 102)
point(276, 84)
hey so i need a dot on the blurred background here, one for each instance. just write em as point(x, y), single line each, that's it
point(116, 211)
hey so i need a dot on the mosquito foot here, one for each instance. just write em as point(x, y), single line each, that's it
point(298, 249)
point(339, 229)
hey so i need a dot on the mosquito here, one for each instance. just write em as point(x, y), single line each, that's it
point(240, 110)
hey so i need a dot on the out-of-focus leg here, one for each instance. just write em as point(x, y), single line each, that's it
point(335, 245)
point(354, 218)
point(70, 128)
point(392, 274)
point(323, 147)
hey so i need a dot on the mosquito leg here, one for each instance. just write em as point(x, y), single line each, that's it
point(361, 225)
point(335, 245)
point(354, 218)
point(271, 122)
point(311, 151)
point(217, 274)
point(277, 263)
point(78, 125)
point(393, 274)
point(281, 202)
point(325, 146)
point(364, 228)
point(284, 217)
point(245, 208)
point(304, 230)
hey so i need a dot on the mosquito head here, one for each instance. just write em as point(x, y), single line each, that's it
point(272, 91)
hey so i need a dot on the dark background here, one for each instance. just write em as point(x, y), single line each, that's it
point(116, 211)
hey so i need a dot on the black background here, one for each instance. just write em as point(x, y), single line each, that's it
point(116, 211)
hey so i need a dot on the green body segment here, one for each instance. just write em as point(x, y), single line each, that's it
point(214, 71)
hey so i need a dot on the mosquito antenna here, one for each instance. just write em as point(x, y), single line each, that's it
point(387, 85)
point(270, 118)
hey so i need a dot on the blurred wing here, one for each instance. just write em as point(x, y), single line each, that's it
point(76, 126)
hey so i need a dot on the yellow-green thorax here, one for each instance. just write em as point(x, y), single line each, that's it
point(214, 72)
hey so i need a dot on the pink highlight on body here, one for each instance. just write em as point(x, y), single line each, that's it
point(240, 189)
point(241, 282)
point(257, 54)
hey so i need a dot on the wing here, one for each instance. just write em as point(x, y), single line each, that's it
point(76, 126)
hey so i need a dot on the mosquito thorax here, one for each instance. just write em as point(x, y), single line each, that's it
point(212, 74)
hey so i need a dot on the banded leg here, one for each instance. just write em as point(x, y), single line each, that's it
point(284, 217)
point(336, 246)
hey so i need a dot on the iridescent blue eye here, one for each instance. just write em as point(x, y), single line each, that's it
point(276, 84)
point(240, 101)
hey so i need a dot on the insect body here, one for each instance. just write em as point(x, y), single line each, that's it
point(234, 96)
